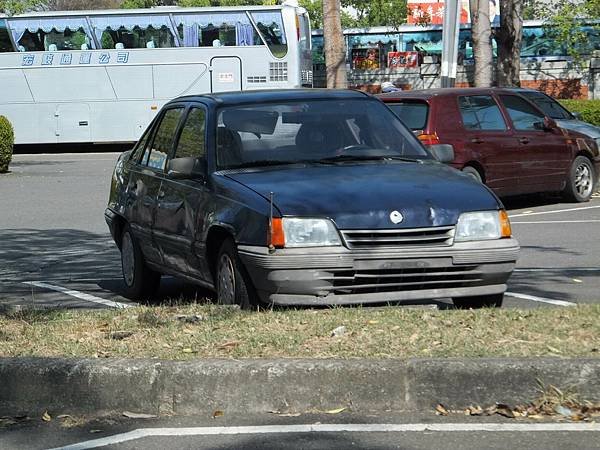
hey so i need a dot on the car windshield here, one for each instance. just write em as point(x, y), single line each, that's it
point(413, 114)
point(548, 105)
point(328, 131)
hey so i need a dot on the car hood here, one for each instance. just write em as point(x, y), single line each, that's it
point(362, 196)
point(581, 127)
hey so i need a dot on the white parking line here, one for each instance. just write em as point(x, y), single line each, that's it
point(336, 428)
point(557, 221)
point(534, 298)
point(554, 212)
point(560, 269)
point(79, 295)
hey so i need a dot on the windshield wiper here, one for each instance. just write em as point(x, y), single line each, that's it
point(346, 157)
point(262, 163)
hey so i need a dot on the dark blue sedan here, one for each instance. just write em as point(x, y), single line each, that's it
point(304, 197)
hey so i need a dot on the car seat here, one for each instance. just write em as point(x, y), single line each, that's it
point(319, 137)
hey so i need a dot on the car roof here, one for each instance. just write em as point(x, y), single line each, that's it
point(273, 95)
point(426, 94)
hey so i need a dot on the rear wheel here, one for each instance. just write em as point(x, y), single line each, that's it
point(141, 282)
point(233, 284)
point(580, 180)
point(483, 301)
point(473, 172)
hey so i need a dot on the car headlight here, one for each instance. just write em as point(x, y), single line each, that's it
point(303, 232)
point(482, 225)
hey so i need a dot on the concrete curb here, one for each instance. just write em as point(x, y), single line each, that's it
point(85, 386)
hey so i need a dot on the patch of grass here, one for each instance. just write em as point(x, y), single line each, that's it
point(202, 331)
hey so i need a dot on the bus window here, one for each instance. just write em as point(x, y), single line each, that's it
point(147, 31)
point(270, 26)
point(216, 30)
point(55, 34)
point(5, 44)
point(303, 32)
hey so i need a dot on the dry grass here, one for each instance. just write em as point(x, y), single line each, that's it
point(201, 331)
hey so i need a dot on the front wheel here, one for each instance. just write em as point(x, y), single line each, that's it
point(580, 180)
point(483, 301)
point(233, 284)
point(141, 282)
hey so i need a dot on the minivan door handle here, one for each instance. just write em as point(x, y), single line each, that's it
point(524, 140)
point(477, 141)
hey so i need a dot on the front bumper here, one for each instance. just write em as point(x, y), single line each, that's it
point(335, 276)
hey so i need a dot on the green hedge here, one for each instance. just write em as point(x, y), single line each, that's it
point(7, 140)
point(589, 109)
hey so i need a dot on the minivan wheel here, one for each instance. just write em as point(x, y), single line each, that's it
point(473, 172)
point(580, 180)
point(483, 301)
point(141, 282)
point(232, 282)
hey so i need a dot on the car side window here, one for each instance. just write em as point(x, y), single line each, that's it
point(191, 142)
point(141, 146)
point(156, 154)
point(523, 115)
point(481, 112)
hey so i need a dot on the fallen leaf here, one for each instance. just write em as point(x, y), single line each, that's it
point(504, 410)
point(335, 411)
point(553, 349)
point(218, 413)
point(187, 350)
point(194, 318)
point(134, 415)
point(119, 335)
point(289, 414)
point(577, 280)
point(475, 410)
point(372, 322)
point(228, 345)
point(46, 417)
point(440, 410)
point(535, 416)
point(95, 431)
point(63, 416)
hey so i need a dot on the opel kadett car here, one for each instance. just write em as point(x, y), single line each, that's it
point(304, 197)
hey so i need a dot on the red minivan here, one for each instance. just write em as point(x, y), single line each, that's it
point(502, 140)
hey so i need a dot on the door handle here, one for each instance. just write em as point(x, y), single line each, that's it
point(524, 140)
point(477, 141)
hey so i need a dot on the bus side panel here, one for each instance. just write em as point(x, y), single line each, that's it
point(33, 123)
point(13, 86)
point(124, 121)
point(171, 81)
point(131, 82)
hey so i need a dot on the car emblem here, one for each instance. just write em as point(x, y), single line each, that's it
point(396, 217)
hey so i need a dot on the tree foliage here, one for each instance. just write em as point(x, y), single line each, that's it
point(371, 13)
point(12, 7)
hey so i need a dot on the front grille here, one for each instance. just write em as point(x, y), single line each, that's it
point(411, 237)
point(278, 71)
point(390, 280)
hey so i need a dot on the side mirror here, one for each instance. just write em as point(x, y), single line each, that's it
point(576, 114)
point(547, 124)
point(442, 152)
point(187, 168)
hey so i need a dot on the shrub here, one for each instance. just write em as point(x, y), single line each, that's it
point(7, 140)
point(589, 109)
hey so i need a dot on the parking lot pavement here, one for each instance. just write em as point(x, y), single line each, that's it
point(381, 430)
point(56, 251)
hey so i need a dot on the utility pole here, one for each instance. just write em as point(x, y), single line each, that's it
point(451, 28)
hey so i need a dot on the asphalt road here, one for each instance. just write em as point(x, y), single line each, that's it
point(319, 431)
point(55, 249)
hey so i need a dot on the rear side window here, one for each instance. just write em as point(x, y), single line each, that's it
point(156, 154)
point(5, 44)
point(523, 115)
point(547, 104)
point(412, 114)
point(480, 112)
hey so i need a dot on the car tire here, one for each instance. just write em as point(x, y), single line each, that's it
point(232, 282)
point(141, 282)
point(580, 180)
point(473, 172)
point(483, 301)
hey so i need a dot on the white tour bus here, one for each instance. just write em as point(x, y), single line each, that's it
point(101, 76)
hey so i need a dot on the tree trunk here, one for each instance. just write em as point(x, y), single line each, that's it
point(509, 43)
point(335, 53)
point(482, 44)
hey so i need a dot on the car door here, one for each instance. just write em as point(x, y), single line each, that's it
point(544, 154)
point(184, 202)
point(487, 140)
point(140, 194)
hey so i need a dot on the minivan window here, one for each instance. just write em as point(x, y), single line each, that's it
point(163, 139)
point(547, 104)
point(480, 112)
point(191, 141)
point(413, 114)
point(523, 115)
